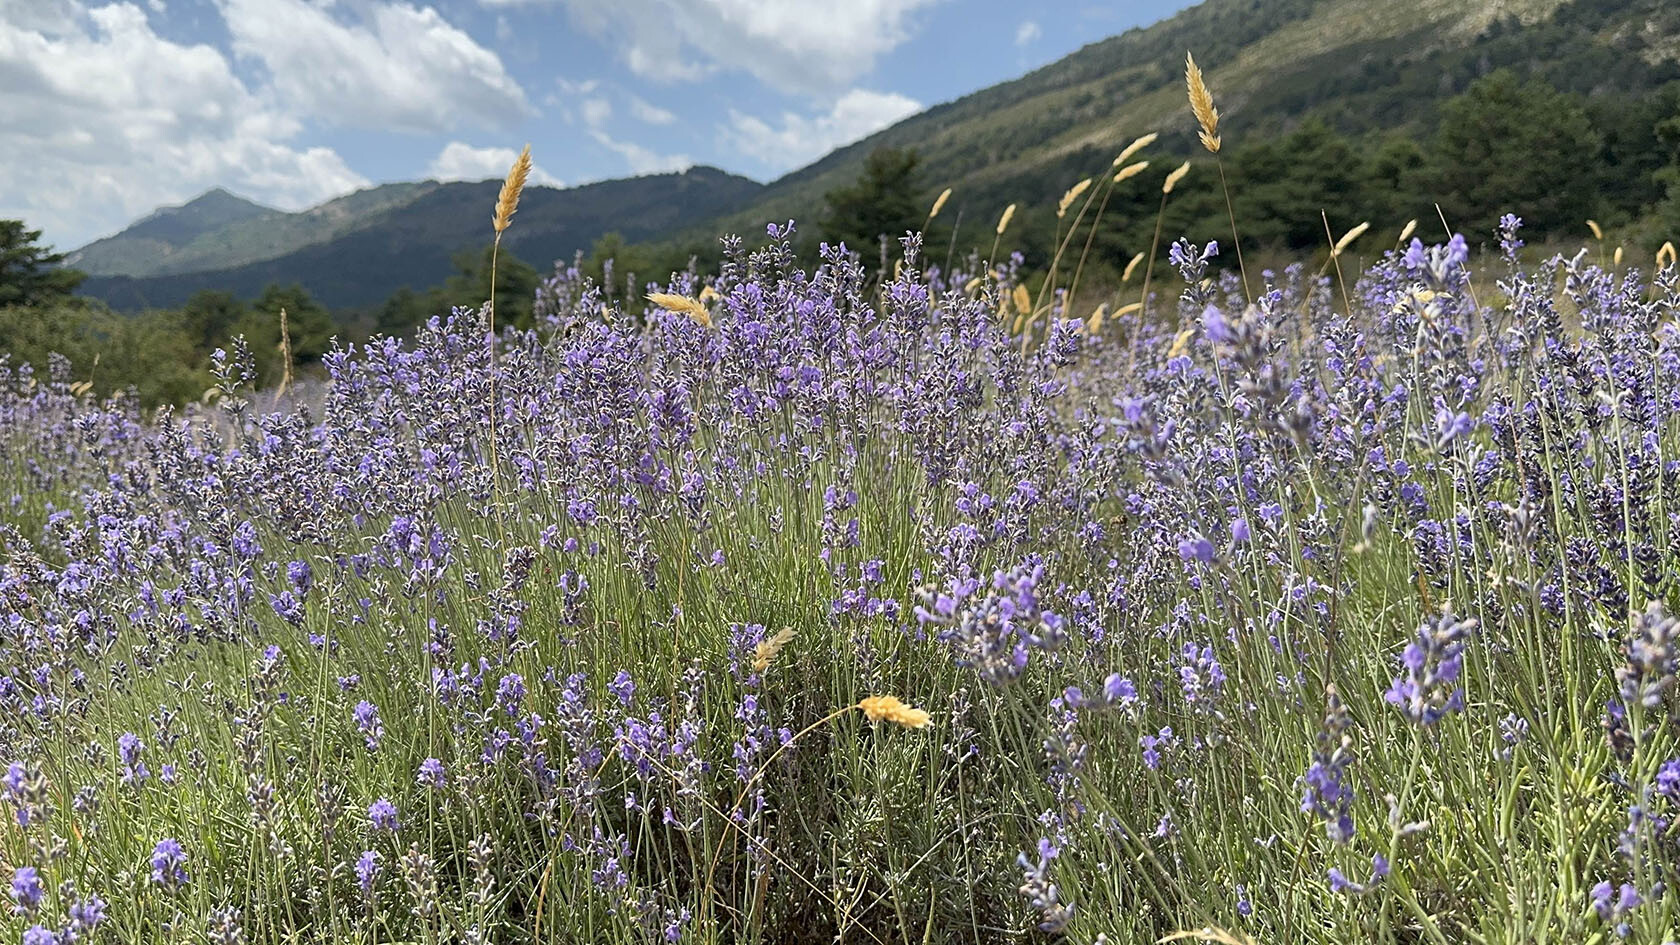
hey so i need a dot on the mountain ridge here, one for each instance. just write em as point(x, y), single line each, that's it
point(413, 239)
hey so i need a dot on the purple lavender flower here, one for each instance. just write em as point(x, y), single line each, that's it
point(129, 748)
point(367, 872)
point(1041, 892)
point(169, 864)
point(510, 694)
point(1427, 687)
point(369, 724)
point(1615, 905)
point(383, 814)
point(431, 774)
point(1653, 655)
point(1327, 792)
point(623, 687)
point(86, 914)
point(26, 890)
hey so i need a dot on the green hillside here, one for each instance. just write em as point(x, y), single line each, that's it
point(371, 246)
point(1366, 68)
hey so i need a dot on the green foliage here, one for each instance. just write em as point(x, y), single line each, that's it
point(152, 353)
point(881, 205)
point(468, 287)
point(31, 274)
point(1509, 145)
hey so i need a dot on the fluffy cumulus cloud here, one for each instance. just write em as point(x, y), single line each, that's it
point(397, 68)
point(461, 161)
point(815, 47)
point(795, 140)
point(1027, 32)
point(103, 120)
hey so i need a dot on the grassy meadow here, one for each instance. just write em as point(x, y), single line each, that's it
point(1324, 602)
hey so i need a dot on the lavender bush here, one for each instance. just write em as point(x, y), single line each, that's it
point(1341, 616)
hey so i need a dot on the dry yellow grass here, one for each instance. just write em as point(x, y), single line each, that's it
point(890, 709)
point(1201, 104)
point(1175, 177)
point(682, 305)
point(765, 653)
point(1133, 148)
point(1665, 256)
point(1348, 238)
point(1003, 221)
point(939, 204)
point(507, 201)
point(1130, 171)
point(1071, 195)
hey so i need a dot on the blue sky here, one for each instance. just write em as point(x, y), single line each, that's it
point(109, 110)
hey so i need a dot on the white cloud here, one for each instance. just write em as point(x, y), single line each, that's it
point(400, 68)
point(104, 120)
point(596, 111)
point(639, 159)
point(461, 161)
point(1027, 32)
point(798, 140)
point(646, 111)
point(814, 47)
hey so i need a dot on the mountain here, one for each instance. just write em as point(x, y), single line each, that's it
point(1363, 66)
point(232, 231)
point(357, 250)
point(152, 243)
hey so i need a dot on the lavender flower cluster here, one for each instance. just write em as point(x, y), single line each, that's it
point(1221, 612)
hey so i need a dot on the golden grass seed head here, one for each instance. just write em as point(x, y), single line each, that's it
point(1022, 300)
point(1348, 238)
point(1003, 221)
point(1666, 256)
point(1407, 230)
point(1175, 177)
point(1130, 171)
point(1135, 147)
point(1071, 195)
point(765, 652)
point(507, 201)
point(682, 305)
point(939, 204)
point(1131, 267)
point(1201, 104)
point(1598, 234)
point(890, 709)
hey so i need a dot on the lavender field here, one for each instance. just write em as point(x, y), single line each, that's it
point(822, 605)
point(1339, 616)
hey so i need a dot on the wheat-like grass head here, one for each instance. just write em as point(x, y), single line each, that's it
point(1071, 195)
point(507, 201)
point(890, 709)
point(1201, 104)
point(939, 204)
point(1003, 221)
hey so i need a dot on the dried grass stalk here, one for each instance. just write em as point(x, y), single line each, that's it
point(1201, 104)
point(507, 202)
